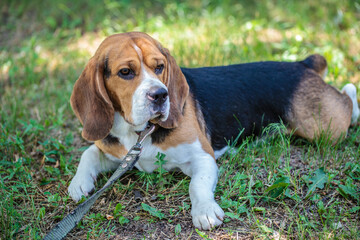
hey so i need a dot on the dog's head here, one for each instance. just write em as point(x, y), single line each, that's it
point(133, 74)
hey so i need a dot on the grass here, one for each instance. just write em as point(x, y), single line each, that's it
point(278, 187)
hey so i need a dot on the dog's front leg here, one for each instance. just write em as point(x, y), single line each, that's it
point(92, 162)
point(205, 212)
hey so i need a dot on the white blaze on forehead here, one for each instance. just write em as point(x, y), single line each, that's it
point(144, 72)
point(138, 51)
point(141, 112)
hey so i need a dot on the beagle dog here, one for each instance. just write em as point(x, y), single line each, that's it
point(132, 80)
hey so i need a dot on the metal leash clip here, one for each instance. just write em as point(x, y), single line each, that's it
point(144, 134)
point(135, 150)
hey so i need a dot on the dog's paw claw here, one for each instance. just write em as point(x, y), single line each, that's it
point(81, 186)
point(207, 215)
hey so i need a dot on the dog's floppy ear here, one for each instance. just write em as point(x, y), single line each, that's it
point(178, 90)
point(91, 103)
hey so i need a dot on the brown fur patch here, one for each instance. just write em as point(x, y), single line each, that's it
point(318, 108)
point(91, 103)
point(188, 131)
point(201, 120)
point(115, 149)
point(317, 63)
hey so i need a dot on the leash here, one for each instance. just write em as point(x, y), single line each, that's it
point(71, 220)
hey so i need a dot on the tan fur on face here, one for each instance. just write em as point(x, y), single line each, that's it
point(125, 55)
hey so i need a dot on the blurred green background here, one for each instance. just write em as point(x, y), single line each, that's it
point(45, 44)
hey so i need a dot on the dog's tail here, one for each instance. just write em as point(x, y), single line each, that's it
point(317, 63)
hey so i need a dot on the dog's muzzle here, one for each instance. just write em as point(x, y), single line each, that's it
point(158, 98)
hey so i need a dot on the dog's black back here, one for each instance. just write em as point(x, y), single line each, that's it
point(245, 96)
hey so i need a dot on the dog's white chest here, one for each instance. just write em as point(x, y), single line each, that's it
point(175, 158)
point(179, 156)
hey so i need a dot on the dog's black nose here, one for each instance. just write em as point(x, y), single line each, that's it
point(158, 95)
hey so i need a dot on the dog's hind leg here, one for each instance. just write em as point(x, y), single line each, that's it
point(318, 109)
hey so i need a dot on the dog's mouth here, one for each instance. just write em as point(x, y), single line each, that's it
point(158, 115)
point(155, 119)
point(154, 115)
point(139, 129)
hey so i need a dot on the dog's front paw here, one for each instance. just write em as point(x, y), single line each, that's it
point(206, 215)
point(81, 185)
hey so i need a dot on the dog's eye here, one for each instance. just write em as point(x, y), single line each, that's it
point(126, 73)
point(159, 69)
